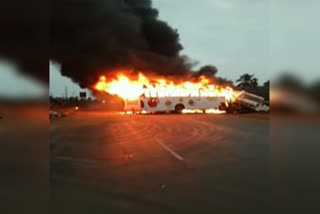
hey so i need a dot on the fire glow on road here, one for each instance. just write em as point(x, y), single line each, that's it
point(199, 111)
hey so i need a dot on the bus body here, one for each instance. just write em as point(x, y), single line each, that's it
point(173, 104)
point(242, 102)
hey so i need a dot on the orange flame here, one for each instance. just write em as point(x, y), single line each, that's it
point(127, 88)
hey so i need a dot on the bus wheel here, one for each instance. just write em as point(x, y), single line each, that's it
point(230, 109)
point(178, 108)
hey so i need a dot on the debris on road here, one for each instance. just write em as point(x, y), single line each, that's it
point(128, 156)
point(54, 114)
point(163, 186)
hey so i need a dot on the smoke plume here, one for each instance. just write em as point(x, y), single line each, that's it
point(89, 38)
point(24, 37)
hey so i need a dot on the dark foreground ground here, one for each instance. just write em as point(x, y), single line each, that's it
point(109, 163)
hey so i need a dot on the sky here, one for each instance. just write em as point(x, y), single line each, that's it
point(14, 85)
point(59, 84)
point(260, 37)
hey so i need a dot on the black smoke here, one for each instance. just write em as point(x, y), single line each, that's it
point(24, 35)
point(89, 38)
point(94, 37)
point(210, 72)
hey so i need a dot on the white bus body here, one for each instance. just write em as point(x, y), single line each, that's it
point(169, 104)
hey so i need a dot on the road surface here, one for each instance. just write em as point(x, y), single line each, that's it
point(110, 163)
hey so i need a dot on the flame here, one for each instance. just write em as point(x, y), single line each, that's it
point(127, 88)
point(184, 111)
point(200, 111)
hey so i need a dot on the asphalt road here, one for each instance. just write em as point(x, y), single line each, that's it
point(109, 163)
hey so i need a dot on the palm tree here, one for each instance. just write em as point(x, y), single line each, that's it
point(247, 80)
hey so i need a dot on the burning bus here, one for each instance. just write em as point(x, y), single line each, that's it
point(174, 104)
point(163, 95)
point(144, 95)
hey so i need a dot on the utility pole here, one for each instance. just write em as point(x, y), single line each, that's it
point(66, 91)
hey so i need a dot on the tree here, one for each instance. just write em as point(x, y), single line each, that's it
point(247, 81)
point(315, 91)
point(266, 84)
